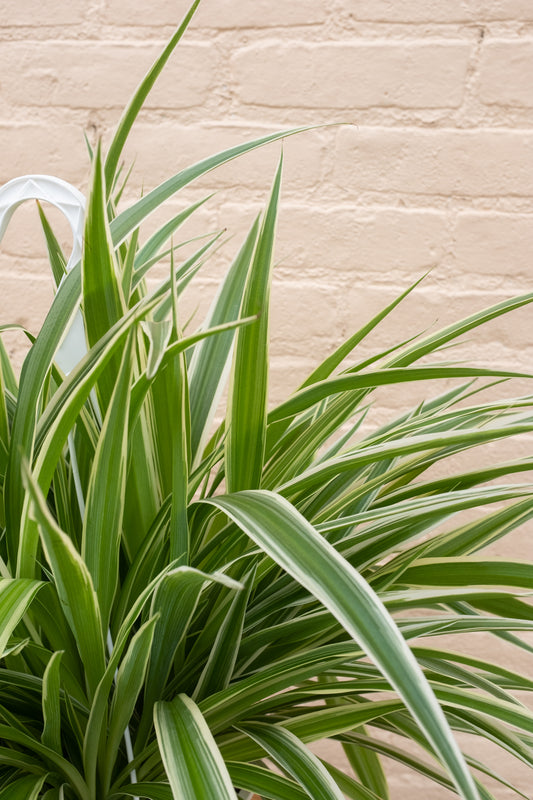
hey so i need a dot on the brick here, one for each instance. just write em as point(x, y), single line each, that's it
point(488, 243)
point(102, 74)
point(224, 14)
point(19, 13)
point(51, 149)
point(183, 146)
point(353, 74)
point(302, 314)
point(358, 239)
point(25, 301)
point(476, 163)
point(288, 373)
point(438, 11)
point(505, 73)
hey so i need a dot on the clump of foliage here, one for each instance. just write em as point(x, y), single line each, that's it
point(184, 603)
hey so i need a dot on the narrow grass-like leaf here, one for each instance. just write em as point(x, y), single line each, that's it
point(218, 669)
point(246, 420)
point(263, 782)
point(319, 391)
point(210, 359)
point(57, 260)
point(316, 476)
point(469, 572)
point(129, 682)
point(174, 386)
point(234, 703)
point(59, 418)
point(27, 788)
point(102, 524)
point(151, 248)
point(93, 740)
point(103, 304)
point(32, 377)
point(15, 597)
point(295, 759)
point(190, 755)
point(74, 587)
point(174, 601)
point(134, 106)
point(51, 736)
point(152, 791)
point(294, 544)
point(158, 333)
point(73, 777)
point(131, 217)
point(325, 369)
point(128, 267)
point(455, 330)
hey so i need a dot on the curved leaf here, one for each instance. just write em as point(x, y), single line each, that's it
point(295, 545)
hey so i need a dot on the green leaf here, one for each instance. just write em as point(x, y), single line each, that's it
point(220, 663)
point(158, 333)
point(103, 304)
point(16, 595)
point(93, 741)
point(310, 395)
point(51, 736)
point(190, 755)
point(57, 260)
point(175, 601)
point(153, 791)
point(455, 330)
point(255, 778)
point(469, 572)
point(134, 106)
point(129, 682)
point(63, 308)
point(74, 588)
point(246, 419)
point(73, 777)
point(151, 248)
point(294, 544)
point(32, 377)
point(208, 365)
point(294, 758)
point(102, 523)
point(131, 217)
point(350, 787)
point(325, 369)
point(234, 703)
point(27, 788)
point(60, 416)
point(316, 476)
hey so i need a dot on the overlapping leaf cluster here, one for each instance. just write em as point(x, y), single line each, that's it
point(181, 603)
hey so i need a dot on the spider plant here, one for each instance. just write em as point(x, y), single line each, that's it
point(186, 602)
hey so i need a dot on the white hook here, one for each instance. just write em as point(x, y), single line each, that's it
point(71, 203)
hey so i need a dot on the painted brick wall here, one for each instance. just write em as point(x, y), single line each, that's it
point(433, 171)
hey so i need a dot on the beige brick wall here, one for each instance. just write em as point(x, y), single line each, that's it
point(435, 170)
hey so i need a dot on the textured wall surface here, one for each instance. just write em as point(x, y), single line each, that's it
point(433, 171)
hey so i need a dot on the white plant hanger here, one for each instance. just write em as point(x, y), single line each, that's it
point(71, 202)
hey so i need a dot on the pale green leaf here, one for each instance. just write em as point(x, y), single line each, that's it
point(294, 544)
point(190, 755)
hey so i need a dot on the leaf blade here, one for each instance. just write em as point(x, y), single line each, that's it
point(294, 544)
point(190, 755)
